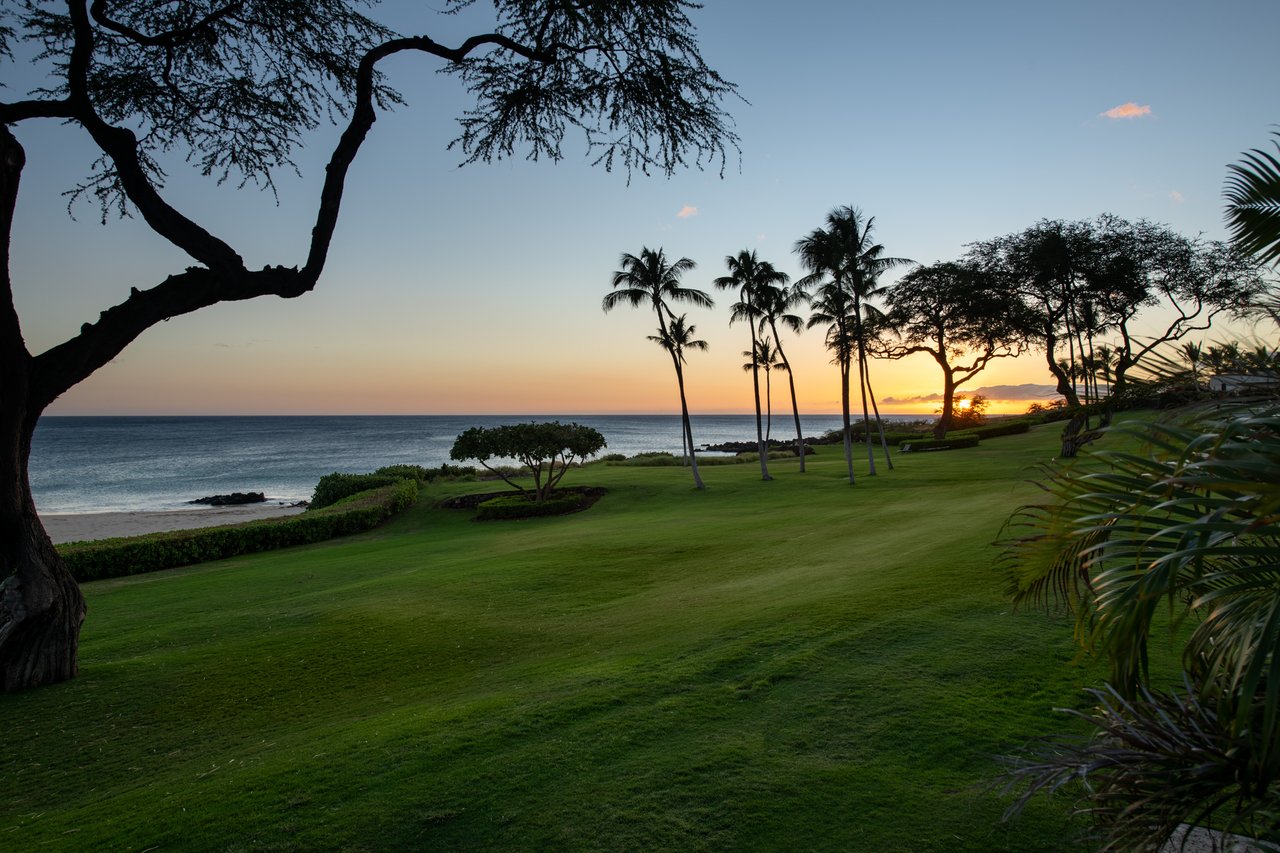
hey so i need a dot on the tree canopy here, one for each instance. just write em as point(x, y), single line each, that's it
point(546, 449)
point(961, 318)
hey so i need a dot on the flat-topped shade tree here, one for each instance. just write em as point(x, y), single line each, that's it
point(548, 450)
point(235, 85)
point(1137, 285)
point(959, 316)
point(648, 279)
point(751, 276)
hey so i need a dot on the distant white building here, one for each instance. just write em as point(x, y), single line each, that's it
point(1242, 383)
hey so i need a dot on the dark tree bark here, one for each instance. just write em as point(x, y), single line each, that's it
point(41, 608)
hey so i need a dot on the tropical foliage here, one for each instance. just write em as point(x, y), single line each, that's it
point(755, 281)
point(844, 267)
point(1253, 203)
point(1183, 530)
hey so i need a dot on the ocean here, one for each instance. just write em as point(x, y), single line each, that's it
point(101, 464)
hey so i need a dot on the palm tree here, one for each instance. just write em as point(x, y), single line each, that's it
point(751, 276)
point(844, 252)
point(764, 357)
point(1253, 203)
point(775, 305)
point(844, 256)
point(831, 306)
point(649, 279)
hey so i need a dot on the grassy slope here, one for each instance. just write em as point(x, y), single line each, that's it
point(794, 664)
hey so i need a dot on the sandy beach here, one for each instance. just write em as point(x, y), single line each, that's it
point(79, 527)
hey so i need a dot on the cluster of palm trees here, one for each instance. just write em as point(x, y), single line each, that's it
point(844, 266)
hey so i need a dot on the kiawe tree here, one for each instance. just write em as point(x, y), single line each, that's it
point(958, 316)
point(647, 279)
point(235, 85)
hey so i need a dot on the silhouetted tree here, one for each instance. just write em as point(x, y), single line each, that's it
point(1089, 278)
point(847, 256)
point(649, 279)
point(960, 317)
point(764, 357)
point(234, 85)
point(751, 276)
point(776, 304)
point(831, 306)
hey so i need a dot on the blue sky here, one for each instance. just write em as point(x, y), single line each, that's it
point(478, 289)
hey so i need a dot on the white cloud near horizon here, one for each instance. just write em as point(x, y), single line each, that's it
point(687, 211)
point(1127, 110)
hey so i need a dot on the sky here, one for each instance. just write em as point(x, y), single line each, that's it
point(477, 289)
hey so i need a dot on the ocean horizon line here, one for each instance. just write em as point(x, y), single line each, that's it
point(552, 414)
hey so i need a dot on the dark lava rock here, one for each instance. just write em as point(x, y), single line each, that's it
point(233, 499)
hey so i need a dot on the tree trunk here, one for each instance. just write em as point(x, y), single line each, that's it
point(795, 407)
point(875, 408)
point(866, 413)
point(688, 427)
point(755, 385)
point(844, 409)
point(948, 400)
point(41, 607)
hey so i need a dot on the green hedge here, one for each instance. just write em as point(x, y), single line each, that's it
point(334, 487)
point(998, 429)
point(113, 558)
point(518, 506)
point(949, 443)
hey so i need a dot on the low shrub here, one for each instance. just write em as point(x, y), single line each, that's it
point(518, 506)
point(113, 558)
point(410, 472)
point(948, 443)
point(1004, 428)
point(334, 487)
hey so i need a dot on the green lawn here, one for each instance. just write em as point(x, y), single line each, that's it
point(797, 664)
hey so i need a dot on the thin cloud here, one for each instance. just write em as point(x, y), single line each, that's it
point(1024, 392)
point(1177, 197)
point(1127, 110)
point(687, 211)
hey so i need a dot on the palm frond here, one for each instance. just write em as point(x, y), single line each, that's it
point(1253, 203)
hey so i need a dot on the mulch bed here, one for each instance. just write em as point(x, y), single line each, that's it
point(590, 494)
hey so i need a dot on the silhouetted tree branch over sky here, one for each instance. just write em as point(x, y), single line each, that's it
point(235, 86)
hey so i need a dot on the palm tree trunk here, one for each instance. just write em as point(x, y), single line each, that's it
point(862, 385)
point(768, 405)
point(688, 427)
point(844, 408)
point(795, 408)
point(884, 442)
point(866, 413)
point(755, 386)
